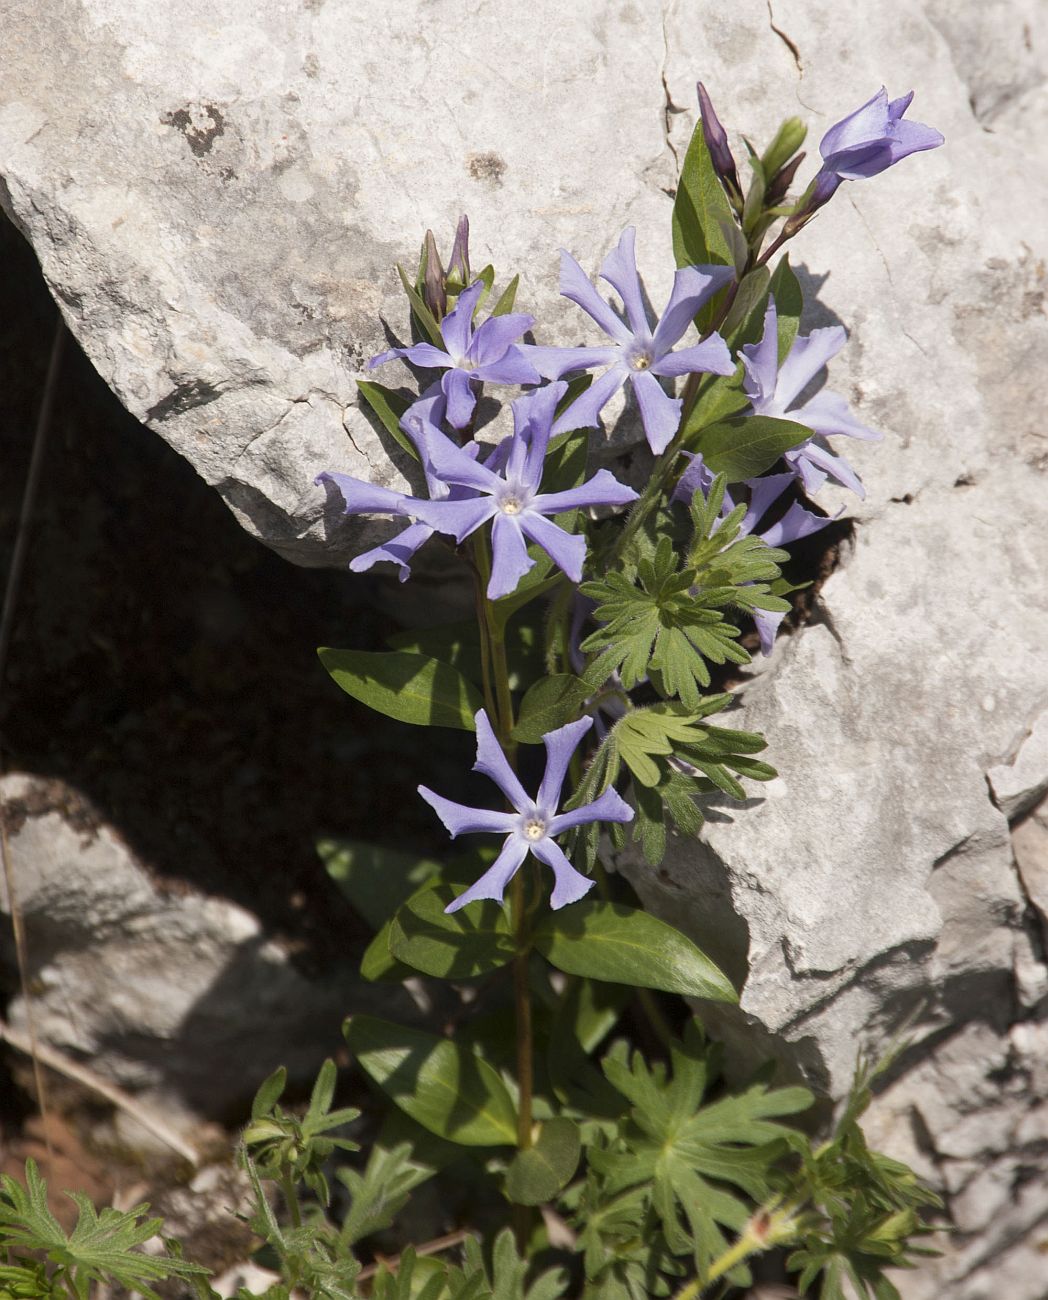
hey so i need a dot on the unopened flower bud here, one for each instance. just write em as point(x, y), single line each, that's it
point(717, 142)
point(458, 268)
point(433, 292)
point(781, 181)
point(788, 139)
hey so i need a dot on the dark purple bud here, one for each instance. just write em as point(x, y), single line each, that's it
point(458, 268)
point(717, 141)
point(433, 293)
point(781, 181)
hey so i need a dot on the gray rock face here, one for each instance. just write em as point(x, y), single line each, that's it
point(216, 199)
point(175, 996)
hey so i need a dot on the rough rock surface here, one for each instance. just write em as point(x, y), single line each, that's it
point(216, 199)
point(172, 995)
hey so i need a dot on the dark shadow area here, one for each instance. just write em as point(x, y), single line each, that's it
point(163, 662)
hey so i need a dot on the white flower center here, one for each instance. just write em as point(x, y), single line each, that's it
point(510, 505)
point(641, 360)
point(534, 827)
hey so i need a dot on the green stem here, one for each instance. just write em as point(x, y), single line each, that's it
point(721, 1265)
point(499, 700)
point(287, 1186)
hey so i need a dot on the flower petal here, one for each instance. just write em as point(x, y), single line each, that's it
point(711, 356)
point(569, 885)
point(807, 357)
point(496, 336)
point(760, 362)
point(764, 492)
point(619, 268)
point(869, 122)
point(603, 489)
point(575, 285)
point(509, 555)
point(493, 763)
point(551, 363)
point(767, 623)
point(454, 465)
point(828, 412)
point(462, 820)
point(421, 354)
point(492, 884)
point(398, 550)
point(833, 466)
point(566, 550)
point(609, 807)
point(560, 745)
point(512, 368)
point(460, 397)
point(360, 498)
point(456, 329)
point(584, 410)
point(795, 524)
point(659, 413)
point(457, 519)
point(692, 286)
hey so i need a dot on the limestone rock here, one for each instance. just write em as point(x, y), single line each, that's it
point(174, 995)
point(216, 199)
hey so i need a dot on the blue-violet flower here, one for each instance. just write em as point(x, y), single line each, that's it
point(507, 492)
point(868, 141)
point(487, 353)
point(637, 353)
point(534, 823)
point(773, 390)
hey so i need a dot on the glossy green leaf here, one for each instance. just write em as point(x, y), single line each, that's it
point(789, 303)
point(536, 1175)
point(426, 320)
point(389, 406)
point(459, 645)
point(700, 211)
point(743, 446)
point(749, 306)
point(719, 397)
point(411, 688)
point(608, 941)
point(465, 944)
point(507, 298)
point(550, 702)
point(441, 1084)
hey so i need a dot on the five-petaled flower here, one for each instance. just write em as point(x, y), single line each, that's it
point(637, 353)
point(489, 352)
point(510, 495)
point(773, 390)
point(533, 824)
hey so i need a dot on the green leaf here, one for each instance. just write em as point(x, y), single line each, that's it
point(376, 880)
point(463, 945)
point(608, 941)
point(701, 212)
point(743, 446)
point(389, 406)
point(789, 303)
point(692, 1154)
point(439, 1083)
point(750, 303)
point(426, 320)
point(719, 396)
point(458, 644)
point(507, 298)
point(411, 688)
point(550, 702)
point(536, 1175)
point(269, 1093)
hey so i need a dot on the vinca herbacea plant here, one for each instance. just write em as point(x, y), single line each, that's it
point(554, 1086)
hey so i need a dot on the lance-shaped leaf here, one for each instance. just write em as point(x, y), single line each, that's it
point(409, 687)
